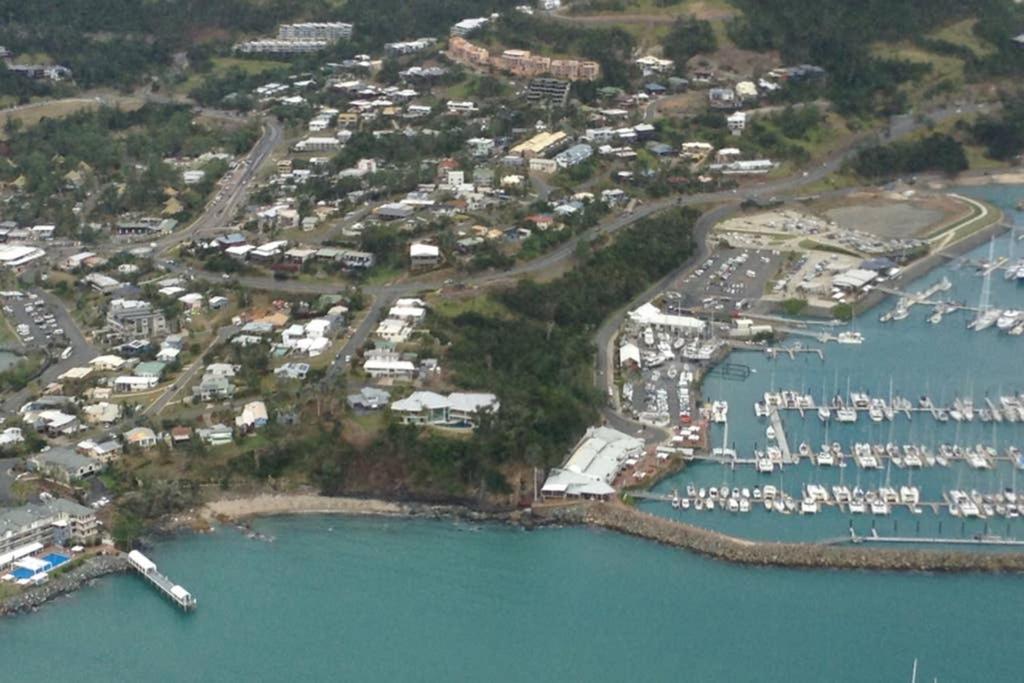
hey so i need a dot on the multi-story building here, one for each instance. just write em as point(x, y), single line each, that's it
point(134, 319)
point(552, 90)
point(315, 30)
point(56, 522)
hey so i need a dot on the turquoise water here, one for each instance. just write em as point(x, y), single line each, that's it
point(918, 358)
point(373, 599)
point(370, 599)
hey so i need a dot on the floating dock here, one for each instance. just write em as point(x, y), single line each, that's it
point(147, 568)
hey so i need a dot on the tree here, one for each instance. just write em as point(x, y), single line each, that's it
point(687, 37)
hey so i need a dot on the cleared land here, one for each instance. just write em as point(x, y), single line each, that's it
point(31, 114)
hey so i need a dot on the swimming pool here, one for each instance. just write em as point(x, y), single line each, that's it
point(54, 560)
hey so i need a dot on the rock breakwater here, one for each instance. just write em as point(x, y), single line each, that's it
point(799, 555)
point(66, 582)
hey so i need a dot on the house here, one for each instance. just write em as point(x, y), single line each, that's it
point(389, 367)
point(423, 256)
point(103, 413)
point(102, 283)
point(140, 437)
point(458, 409)
point(369, 398)
point(213, 387)
point(104, 451)
point(253, 416)
point(168, 355)
point(394, 330)
point(150, 369)
point(736, 121)
point(722, 98)
point(293, 371)
point(220, 370)
point(127, 384)
point(180, 435)
point(64, 464)
point(217, 435)
point(52, 422)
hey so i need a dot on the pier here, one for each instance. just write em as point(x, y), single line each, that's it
point(792, 351)
point(147, 568)
point(780, 437)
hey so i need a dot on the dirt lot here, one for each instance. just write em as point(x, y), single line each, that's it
point(885, 216)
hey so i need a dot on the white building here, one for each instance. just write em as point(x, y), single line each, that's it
point(649, 315)
point(595, 462)
point(458, 409)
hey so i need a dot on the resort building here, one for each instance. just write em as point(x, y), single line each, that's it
point(55, 522)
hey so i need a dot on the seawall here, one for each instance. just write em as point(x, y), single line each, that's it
point(772, 554)
point(91, 569)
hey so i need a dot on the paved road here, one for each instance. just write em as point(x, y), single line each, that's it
point(234, 189)
point(189, 373)
point(81, 351)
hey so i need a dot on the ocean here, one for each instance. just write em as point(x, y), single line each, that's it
point(336, 598)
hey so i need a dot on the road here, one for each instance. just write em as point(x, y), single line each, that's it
point(383, 295)
point(234, 189)
point(189, 373)
point(81, 351)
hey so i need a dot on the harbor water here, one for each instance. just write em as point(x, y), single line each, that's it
point(909, 358)
point(336, 598)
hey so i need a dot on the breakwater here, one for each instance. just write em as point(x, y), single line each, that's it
point(66, 582)
point(726, 548)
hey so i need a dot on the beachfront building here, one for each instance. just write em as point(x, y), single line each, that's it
point(55, 522)
point(649, 315)
point(595, 462)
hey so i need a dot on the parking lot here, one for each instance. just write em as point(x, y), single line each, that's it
point(729, 280)
point(34, 322)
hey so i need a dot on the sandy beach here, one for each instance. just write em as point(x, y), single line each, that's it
point(291, 504)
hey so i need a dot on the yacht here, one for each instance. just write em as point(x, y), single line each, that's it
point(985, 319)
point(808, 506)
point(900, 313)
point(857, 507)
point(1008, 320)
point(744, 505)
point(846, 415)
point(849, 337)
point(879, 507)
point(910, 495)
point(875, 412)
point(684, 504)
point(765, 465)
point(769, 433)
point(733, 505)
point(824, 413)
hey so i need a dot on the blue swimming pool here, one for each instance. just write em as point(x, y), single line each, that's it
point(54, 559)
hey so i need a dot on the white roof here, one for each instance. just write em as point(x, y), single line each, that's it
point(108, 361)
point(418, 249)
point(472, 402)
point(649, 314)
point(144, 562)
point(20, 552)
point(420, 400)
point(381, 364)
point(854, 278)
point(601, 453)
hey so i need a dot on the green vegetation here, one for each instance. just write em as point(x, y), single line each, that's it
point(936, 152)
point(119, 42)
point(532, 347)
point(1002, 135)
point(794, 306)
point(687, 37)
point(116, 156)
point(842, 312)
point(612, 48)
point(838, 35)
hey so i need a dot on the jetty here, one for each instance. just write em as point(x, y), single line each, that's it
point(792, 351)
point(780, 437)
point(982, 539)
point(147, 568)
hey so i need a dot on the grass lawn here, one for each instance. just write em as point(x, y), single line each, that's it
point(31, 114)
point(222, 64)
point(962, 33)
point(484, 305)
